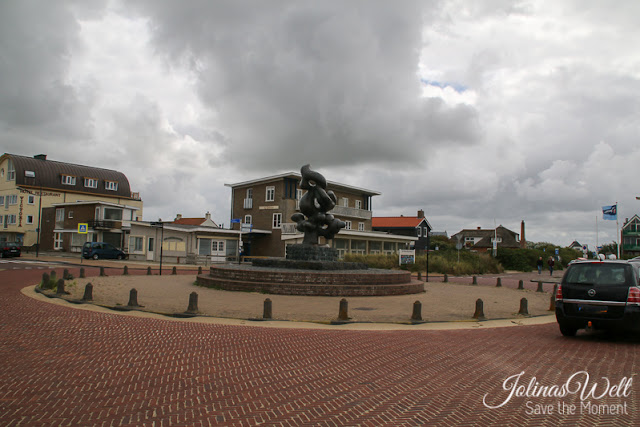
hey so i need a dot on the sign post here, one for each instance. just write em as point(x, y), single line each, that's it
point(159, 224)
point(83, 228)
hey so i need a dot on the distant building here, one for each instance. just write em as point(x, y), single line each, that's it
point(263, 208)
point(630, 234)
point(414, 226)
point(29, 184)
point(481, 240)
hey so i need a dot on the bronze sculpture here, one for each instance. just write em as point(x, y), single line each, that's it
point(314, 221)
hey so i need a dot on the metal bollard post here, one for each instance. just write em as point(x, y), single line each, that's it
point(524, 307)
point(133, 298)
point(193, 303)
point(474, 281)
point(479, 314)
point(343, 314)
point(88, 292)
point(417, 311)
point(521, 285)
point(498, 283)
point(267, 311)
point(540, 289)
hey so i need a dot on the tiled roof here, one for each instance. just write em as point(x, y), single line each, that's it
point(189, 221)
point(396, 221)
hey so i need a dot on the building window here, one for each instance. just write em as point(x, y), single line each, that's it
point(271, 194)
point(31, 199)
point(1, 200)
point(358, 204)
point(249, 193)
point(277, 220)
point(12, 199)
point(9, 220)
point(91, 183)
point(111, 185)
point(419, 231)
point(68, 180)
point(347, 225)
point(59, 214)
point(136, 243)
point(361, 226)
point(11, 171)
point(57, 241)
point(345, 202)
point(247, 219)
point(29, 219)
point(70, 214)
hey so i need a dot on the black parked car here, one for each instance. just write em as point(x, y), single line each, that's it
point(98, 250)
point(603, 293)
point(8, 249)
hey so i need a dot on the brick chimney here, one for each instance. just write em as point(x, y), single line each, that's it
point(523, 240)
point(40, 157)
point(207, 216)
point(178, 216)
point(420, 213)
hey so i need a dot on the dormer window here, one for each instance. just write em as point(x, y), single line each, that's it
point(68, 180)
point(91, 183)
point(111, 185)
point(11, 171)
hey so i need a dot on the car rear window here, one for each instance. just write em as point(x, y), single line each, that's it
point(599, 274)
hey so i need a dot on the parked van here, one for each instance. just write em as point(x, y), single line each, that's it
point(97, 250)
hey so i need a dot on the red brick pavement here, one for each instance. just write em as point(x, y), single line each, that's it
point(60, 366)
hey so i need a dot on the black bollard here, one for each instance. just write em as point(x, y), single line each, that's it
point(419, 275)
point(479, 314)
point(540, 287)
point(498, 283)
point(148, 271)
point(88, 292)
point(60, 288)
point(524, 307)
point(267, 311)
point(66, 275)
point(199, 270)
point(193, 303)
point(133, 298)
point(474, 281)
point(102, 274)
point(416, 316)
point(82, 274)
point(45, 281)
point(446, 278)
point(521, 285)
point(126, 271)
point(343, 313)
point(174, 271)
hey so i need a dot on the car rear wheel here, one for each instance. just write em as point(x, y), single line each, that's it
point(119, 257)
point(95, 256)
point(567, 330)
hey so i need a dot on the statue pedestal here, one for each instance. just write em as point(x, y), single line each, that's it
point(302, 252)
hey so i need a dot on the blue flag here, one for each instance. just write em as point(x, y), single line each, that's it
point(610, 212)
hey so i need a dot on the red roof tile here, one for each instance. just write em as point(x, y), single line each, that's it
point(189, 221)
point(396, 221)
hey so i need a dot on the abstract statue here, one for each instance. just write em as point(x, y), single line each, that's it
point(314, 220)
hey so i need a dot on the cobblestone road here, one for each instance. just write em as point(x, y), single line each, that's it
point(61, 366)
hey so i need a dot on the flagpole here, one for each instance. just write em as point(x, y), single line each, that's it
point(617, 230)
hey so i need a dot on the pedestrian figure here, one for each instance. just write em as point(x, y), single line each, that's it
point(540, 263)
point(551, 263)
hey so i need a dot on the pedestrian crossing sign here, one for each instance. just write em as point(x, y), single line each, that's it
point(82, 228)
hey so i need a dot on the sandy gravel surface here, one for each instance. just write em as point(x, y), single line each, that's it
point(440, 301)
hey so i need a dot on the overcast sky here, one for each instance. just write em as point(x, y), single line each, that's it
point(478, 112)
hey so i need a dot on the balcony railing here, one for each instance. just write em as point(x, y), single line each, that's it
point(290, 228)
point(351, 212)
point(104, 224)
point(248, 203)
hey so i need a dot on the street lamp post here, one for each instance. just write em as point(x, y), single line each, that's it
point(159, 224)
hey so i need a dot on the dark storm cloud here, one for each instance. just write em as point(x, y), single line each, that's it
point(37, 105)
point(330, 81)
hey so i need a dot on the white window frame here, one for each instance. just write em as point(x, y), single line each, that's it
point(111, 185)
point(11, 219)
point(29, 219)
point(68, 180)
point(57, 241)
point(31, 199)
point(1, 200)
point(358, 204)
point(247, 219)
point(276, 221)
point(345, 202)
point(347, 225)
point(70, 215)
point(11, 171)
point(249, 193)
point(59, 214)
point(270, 194)
point(13, 199)
point(91, 183)
point(419, 231)
point(361, 226)
point(132, 244)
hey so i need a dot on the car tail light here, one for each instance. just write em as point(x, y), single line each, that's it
point(559, 293)
point(634, 296)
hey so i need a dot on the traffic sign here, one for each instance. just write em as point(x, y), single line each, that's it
point(83, 228)
point(236, 221)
